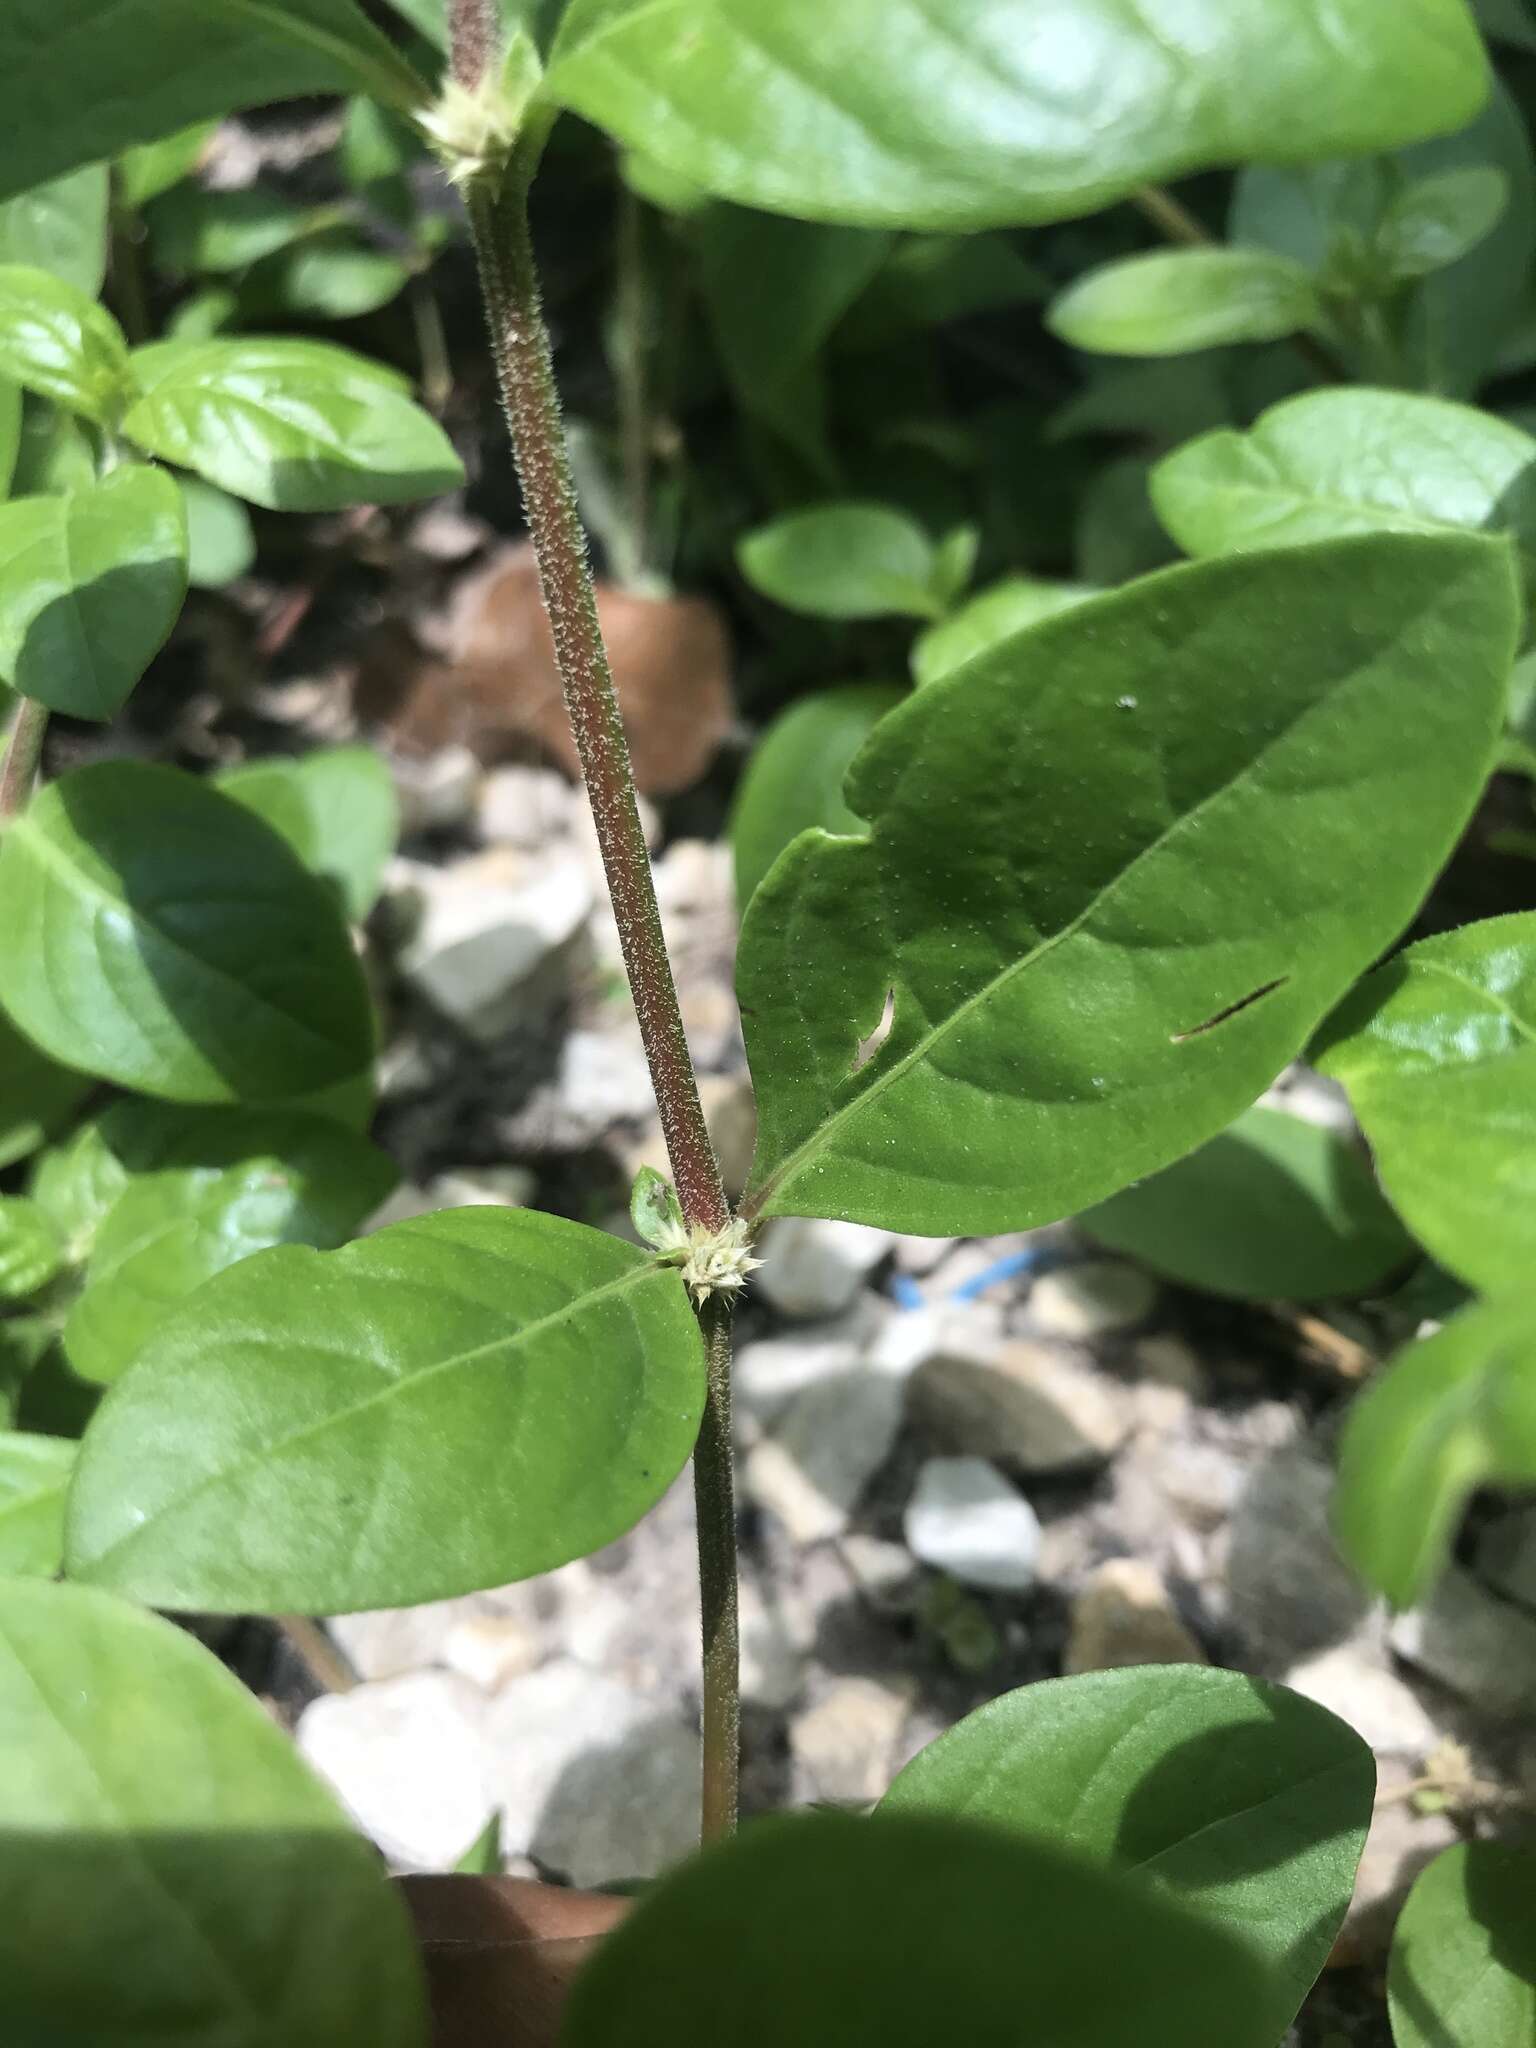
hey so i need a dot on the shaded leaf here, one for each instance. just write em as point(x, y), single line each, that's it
point(195, 231)
point(60, 227)
point(58, 342)
point(330, 276)
point(337, 809)
point(150, 168)
point(36, 1094)
point(1243, 1802)
point(991, 616)
point(220, 543)
point(170, 1869)
point(297, 426)
point(91, 583)
point(448, 1404)
point(81, 82)
point(1331, 463)
point(1108, 915)
point(1462, 1972)
point(1437, 220)
point(158, 935)
point(843, 562)
point(898, 1932)
point(1454, 1411)
point(201, 1190)
point(1438, 1052)
point(1275, 1209)
point(34, 1476)
point(886, 113)
point(1175, 300)
point(30, 1252)
point(10, 435)
point(794, 776)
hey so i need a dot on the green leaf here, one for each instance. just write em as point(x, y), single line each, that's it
point(150, 168)
point(75, 1183)
point(10, 432)
point(36, 1095)
point(656, 1212)
point(337, 809)
point(34, 1477)
point(1239, 1801)
point(195, 231)
point(1462, 1972)
point(84, 81)
point(843, 562)
point(483, 1857)
point(899, 1932)
point(1275, 1209)
point(794, 777)
point(1174, 300)
point(297, 426)
point(60, 227)
point(55, 340)
point(1508, 20)
point(54, 452)
point(446, 1405)
point(203, 1190)
point(91, 584)
point(1332, 463)
point(220, 543)
point(30, 1252)
point(1111, 880)
point(330, 276)
point(158, 935)
point(929, 280)
point(1437, 220)
point(1438, 1052)
point(1454, 1412)
point(887, 113)
point(170, 1869)
point(991, 616)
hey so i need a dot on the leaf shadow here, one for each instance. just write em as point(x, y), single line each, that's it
point(125, 615)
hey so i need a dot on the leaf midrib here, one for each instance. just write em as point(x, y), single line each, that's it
point(395, 1388)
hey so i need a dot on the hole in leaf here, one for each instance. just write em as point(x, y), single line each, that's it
point(868, 1047)
point(1232, 1009)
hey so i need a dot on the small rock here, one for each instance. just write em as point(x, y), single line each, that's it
point(1401, 1841)
point(445, 532)
point(407, 1758)
point(490, 1649)
point(592, 1782)
point(712, 1023)
point(525, 807)
point(1291, 1593)
point(844, 1747)
point(1355, 1681)
point(770, 1372)
point(604, 1078)
point(1506, 1556)
point(1022, 1404)
point(815, 1268)
point(479, 937)
point(1478, 1646)
point(965, 1519)
point(479, 1187)
point(1124, 1615)
point(436, 794)
point(1169, 1362)
point(1302, 1092)
point(390, 1641)
point(1098, 1298)
point(772, 1661)
point(830, 1443)
point(920, 1255)
point(883, 1572)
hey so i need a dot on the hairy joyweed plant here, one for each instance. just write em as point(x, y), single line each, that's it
point(1115, 862)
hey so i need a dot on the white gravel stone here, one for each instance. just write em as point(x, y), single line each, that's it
point(965, 1519)
point(491, 1649)
point(1099, 1298)
point(827, 1447)
point(815, 1268)
point(1355, 1681)
point(438, 793)
point(844, 1747)
point(1478, 1646)
point(1021, 1403)
point(1125, 1615)
point(604, 1078)
point(407, 1757)
point(478, 936)
point(770, 1372)
point(525, 807)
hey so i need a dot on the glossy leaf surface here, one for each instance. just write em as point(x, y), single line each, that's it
point(1438, 1052)
point(1244, 1802)
point(336, 808)
point(91, 583)
point(82, 80)
point(158, 935)
point(991, 616)
point(1454, 1411)
point(1334, 463)
point(30, 1252)
point(1176, 300)
point(297, 426)
point(1111, 881)
point(202, 1190)
point(892, 113)
point(60, 227)
point(794, 776)
point(1462, 1972)
point(834, 1932)
point(844, 562)
point(34, 1476)
point(1275, 1209)
point(55, 340)
point(169, 1870)
point(443, 1406)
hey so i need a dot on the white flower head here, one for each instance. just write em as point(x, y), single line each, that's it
point(473, 129)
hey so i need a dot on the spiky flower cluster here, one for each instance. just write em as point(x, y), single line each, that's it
point(473, 129)
point(718, 1262)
